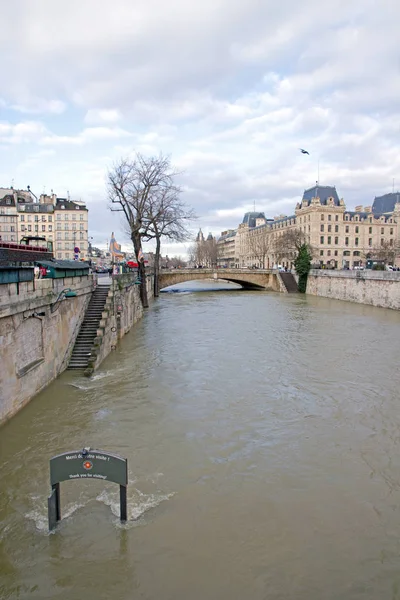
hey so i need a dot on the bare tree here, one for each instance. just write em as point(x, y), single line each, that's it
point(288, 244)
point(167, 217)
point(385, 252)
point(260, 245)
point(132, 186)
point(205, 252)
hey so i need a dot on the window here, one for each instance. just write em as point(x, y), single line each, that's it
point(82, 236)
point(81, 227)
point(370, 242)
point(322, 217)
point(346, 218)
point(329, 217)
point(29, 217)
point(50, 218)
point(36, 208)
point(81, 217)
point(336, 217)
point(346, 253)
point(66, 236)
point(309, 229)
point(36, 227)
point(321, 252)
point(382, 241)
point(308, 218)
point(346, 241)
point(74, 217)
point(369, 229)
point(391, 242)
point(336, 252)
point(66, 217)
point(50, 227)
point(12, 228)
point(357, 230)
point(370, 219)
point(329, 227)
point(382, 230)
point(44, 218)
point(36, 218)
point(59, 255)
point(29, 227)
point(322, 228)
point(336, 240)
point(347, 229)
point(356, 241)
point(336, 228)
point(43, 227)
point(73, 225)
point(66, 226)
point(59, 236)
point(67, 245)
point(58, 217)
point(329, 239)
point(329, 252)
point(391, 231)
point(22, 218)
point(321, 239)
point(22, 227)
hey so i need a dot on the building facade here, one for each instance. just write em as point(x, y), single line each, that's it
point(60, 221)
point(339, 238)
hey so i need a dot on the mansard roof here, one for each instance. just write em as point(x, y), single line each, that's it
point(385, 203)
point(250, 218)
point(323, 192)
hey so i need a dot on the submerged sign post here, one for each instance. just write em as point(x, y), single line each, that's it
point(86, 464)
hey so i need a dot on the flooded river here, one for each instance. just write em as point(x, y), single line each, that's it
point(262, 433)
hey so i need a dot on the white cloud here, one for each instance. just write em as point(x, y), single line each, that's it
point(230, 89)
point(94, 116)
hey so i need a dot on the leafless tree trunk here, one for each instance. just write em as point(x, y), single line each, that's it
point(132, 186)
point(260, 244)
point(167, 217)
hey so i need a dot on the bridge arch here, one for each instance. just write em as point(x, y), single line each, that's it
point(248, 278)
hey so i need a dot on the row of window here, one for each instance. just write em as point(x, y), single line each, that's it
point(346, 241)
point(73, 217)
point(68, 237)
point(44, 218)
point(29, 228)
point(73, 226)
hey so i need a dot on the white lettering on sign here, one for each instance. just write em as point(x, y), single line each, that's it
point(87, 476)
point(71, 456)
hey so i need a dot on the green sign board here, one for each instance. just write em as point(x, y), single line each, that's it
point(88, 464)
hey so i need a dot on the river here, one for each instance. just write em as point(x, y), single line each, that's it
point(262, 433)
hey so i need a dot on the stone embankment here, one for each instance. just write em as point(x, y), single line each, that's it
point(37, 324)
point(123, 308)
point(377, 288)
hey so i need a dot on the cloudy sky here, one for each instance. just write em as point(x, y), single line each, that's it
point(230, 89)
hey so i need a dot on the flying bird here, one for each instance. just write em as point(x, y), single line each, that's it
point(304, 151)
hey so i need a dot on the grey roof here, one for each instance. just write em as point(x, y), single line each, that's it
point(10, 198)
point(284, 219)
point(69, 204)
point(210, 237)
point(250, 218)
point(63, 264)
point(39, 208)
point(323, 192)
point(385, 203)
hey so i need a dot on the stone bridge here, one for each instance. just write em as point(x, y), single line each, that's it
point(252, 279)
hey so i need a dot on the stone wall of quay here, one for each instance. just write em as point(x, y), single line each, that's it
point(123, 309)
point(377, 288)
point(37, 331)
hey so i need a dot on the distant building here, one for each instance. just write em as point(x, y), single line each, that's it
point(59, 220)
point(339, 237)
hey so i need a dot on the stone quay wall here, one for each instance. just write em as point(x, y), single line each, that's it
point(378, 288)
point(37, 330)
point(122, 310)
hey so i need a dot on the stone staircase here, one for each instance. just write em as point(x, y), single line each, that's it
point(289, 282)
point(88, 330)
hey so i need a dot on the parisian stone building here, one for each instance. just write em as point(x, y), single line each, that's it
point(340, 238)
point(61, 222)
